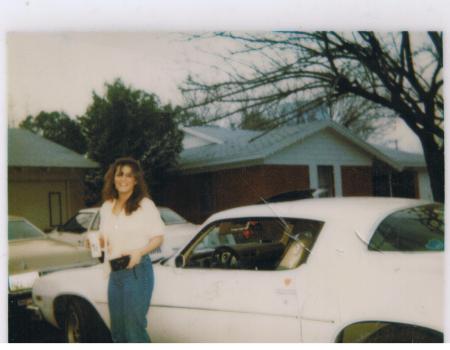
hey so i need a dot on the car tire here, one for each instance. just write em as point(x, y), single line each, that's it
point(82, 324)
point(398, 333)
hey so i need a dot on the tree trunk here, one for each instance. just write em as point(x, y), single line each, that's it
point(434, 157)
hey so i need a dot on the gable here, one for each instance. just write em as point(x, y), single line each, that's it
point(324, 147)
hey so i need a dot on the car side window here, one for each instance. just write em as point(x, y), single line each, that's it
point(411, 230)
point(77, 224)
point(253, 244)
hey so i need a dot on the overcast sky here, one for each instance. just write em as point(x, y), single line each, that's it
point(59, 71)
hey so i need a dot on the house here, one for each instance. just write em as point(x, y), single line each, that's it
point(45, 179)
point(222, 168)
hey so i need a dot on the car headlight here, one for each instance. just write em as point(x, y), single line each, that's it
point(22, 281)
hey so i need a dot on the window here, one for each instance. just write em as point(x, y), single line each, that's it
point(78, 224)
point(414, 229)
point(326, 178)
point(55, 208)
point(20, 229)
point(170, 217)
point(206, 198)
point(253, 244)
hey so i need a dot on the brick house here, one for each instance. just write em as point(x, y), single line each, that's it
point(222, 168)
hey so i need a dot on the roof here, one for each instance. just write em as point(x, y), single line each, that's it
point(406, 159)
point(26, 149)
point(240, 146)
point(218, 135)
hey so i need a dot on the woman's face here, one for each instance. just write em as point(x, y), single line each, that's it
point(124, 179)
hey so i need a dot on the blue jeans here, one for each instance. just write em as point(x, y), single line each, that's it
point(129, 294)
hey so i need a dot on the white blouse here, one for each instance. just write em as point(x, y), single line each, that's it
point(129, 232)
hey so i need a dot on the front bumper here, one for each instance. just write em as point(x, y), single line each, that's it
point(18, 301)
point(20, 304)
point(35, 312)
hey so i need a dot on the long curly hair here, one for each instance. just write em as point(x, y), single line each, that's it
point(140, 190)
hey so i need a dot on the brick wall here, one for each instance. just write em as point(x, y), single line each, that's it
point(198, 196)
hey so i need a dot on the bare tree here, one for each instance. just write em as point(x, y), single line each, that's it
point(399, 72)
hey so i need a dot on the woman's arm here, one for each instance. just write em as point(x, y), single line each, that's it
point(136, 255)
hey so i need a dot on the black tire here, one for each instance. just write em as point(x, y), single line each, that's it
point(82, 324)
point(397, 333)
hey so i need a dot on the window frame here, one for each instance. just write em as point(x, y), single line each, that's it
point(372, 247)
point(182, 259)
point(55, 198)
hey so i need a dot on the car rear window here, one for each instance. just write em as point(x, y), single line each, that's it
point(411, 230)
point(170, 217)
point(78, 223)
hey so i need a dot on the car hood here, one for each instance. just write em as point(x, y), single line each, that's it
point(45, 255)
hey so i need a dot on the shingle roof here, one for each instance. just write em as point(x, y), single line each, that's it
point(255, 146)
point(222, 134)
point(406, 159)
point(26, 149)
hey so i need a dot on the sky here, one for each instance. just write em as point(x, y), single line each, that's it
point(58, 71)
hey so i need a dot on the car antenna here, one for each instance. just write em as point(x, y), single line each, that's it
point(365, 242)
point(286, 226)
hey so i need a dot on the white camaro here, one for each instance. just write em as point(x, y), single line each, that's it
point(314, 270)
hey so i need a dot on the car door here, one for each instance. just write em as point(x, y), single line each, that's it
point(210, 299)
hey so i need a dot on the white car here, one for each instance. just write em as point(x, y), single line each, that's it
point(313, 270)
point(178, 231)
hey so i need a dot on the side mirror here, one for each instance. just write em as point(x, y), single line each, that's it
point(180, 261)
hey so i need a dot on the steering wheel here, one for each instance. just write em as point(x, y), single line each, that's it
point(225, 256)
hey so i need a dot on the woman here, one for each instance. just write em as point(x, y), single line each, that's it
point(132, 227)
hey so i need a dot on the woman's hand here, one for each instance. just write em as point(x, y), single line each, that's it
point(135, 258)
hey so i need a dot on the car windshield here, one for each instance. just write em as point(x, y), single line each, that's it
point(170, 217)
point(414, 229)
point(78, 224)
point(20, 229)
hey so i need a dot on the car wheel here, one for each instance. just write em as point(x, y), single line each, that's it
point(83, 324)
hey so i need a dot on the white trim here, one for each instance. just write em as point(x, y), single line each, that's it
point(313, 176)
point(337, 180)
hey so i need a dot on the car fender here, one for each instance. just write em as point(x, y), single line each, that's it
point(88, 283)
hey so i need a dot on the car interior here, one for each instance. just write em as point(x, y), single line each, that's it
point(253, 244)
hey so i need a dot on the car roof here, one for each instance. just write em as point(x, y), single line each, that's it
point(362, 212)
